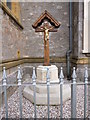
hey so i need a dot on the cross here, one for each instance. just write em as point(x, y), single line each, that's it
point(46, 23)
point(46, 28)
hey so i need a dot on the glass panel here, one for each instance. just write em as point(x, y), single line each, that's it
point(9, 4)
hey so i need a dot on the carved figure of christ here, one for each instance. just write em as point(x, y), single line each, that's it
point(46, 29)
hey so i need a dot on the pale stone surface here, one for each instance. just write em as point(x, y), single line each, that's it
point(41, 94)
point(42, 72)
point(41, 90)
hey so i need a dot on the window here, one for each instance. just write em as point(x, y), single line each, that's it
point(86, 41)
point(9, 4)
point(13, 8)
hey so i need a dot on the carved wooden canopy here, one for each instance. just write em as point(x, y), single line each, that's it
point(44, 19)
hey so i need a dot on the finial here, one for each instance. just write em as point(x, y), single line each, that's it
point(74, 76)
point(19, 76)
point(4, 77)
point(86, 75)
point(61, 75)
point(34, 74)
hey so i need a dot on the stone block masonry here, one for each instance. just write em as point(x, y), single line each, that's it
point(12, 38)
point(16, 43)
point(1, 17)
point(34, 42)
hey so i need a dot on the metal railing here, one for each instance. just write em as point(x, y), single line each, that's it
point(61, 83)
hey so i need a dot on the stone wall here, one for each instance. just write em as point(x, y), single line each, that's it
point(12, 39)
point(1, 13)
point(75, 30)
point(34, 43)
point(31, 44)
point(78, 35)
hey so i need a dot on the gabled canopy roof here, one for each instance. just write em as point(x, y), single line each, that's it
point(49, 17)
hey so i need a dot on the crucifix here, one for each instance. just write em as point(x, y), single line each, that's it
point(46, 28)
point(46, 23)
